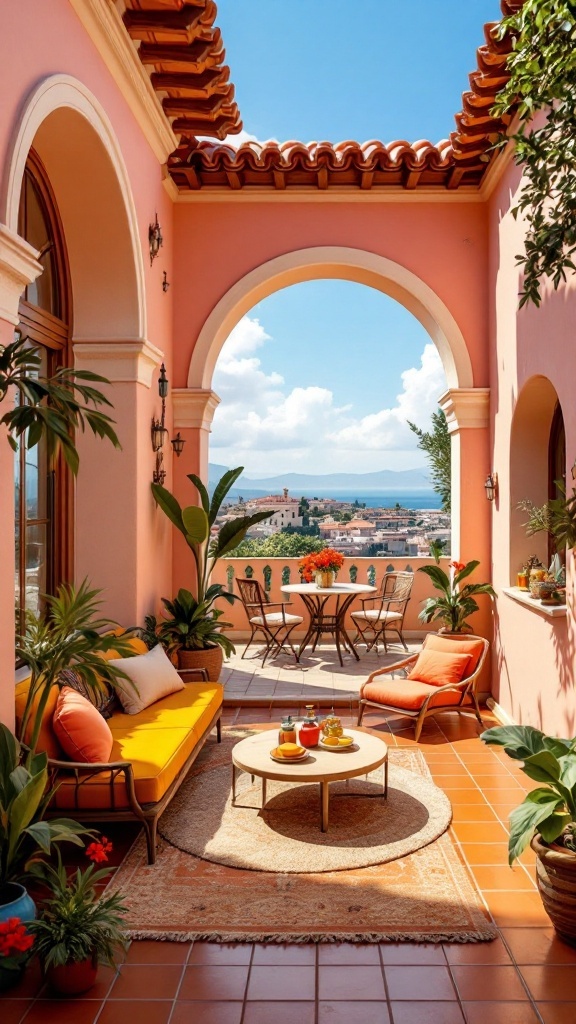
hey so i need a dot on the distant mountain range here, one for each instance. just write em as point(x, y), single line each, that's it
point(358, 483)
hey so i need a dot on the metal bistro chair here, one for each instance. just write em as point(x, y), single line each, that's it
point(386, 614)
point(275, 625)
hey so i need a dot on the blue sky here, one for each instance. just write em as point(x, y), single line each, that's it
point(320, 377)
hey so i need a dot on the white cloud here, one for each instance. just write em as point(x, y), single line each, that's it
point(270, 429)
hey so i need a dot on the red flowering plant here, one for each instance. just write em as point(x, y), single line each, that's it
point(456, 602)
point(15, 945)
point(327, 560)
point(77, 923)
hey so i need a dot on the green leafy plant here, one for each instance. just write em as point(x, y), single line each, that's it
point(51, 407)
point(25, 838)
point(550, 809)
point(195, 524)
point(542, 68)
point(68, 634)
point(456, 602)
point(557, 517)
point(76, 924)
point(193, 625)
point(437, 446)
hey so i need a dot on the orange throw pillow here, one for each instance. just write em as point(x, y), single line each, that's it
point(446, 645)
point(439, 669)
point(82, 732)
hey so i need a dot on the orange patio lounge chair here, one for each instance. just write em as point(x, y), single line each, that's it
point(442, 677)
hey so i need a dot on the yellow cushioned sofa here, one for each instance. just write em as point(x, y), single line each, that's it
point(151, 755)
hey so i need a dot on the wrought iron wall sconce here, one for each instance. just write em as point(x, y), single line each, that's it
point(165, 282)
point(491, 486)
point(155, 240)
point(159, 432)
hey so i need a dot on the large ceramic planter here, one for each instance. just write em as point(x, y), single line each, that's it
point(556, 878)
point(74, 978)
point(211, 659)
point(15, 902)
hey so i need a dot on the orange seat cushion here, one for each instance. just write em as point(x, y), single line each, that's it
point(83, 733)
point(445, 644)
point(157, 742)
point(439, 669)
point(407, 694)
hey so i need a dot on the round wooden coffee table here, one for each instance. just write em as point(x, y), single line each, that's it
point(252, 755)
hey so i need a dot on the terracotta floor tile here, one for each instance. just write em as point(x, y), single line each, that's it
point(450, 783)
point(277, 953)
point(278, 1013)
point(30, 984)
point(207, 1013)
point(516, 909)
point(238, 954)
point(487, 854)
point(557, 1013)
point(426, 1013)
point(551, 982)
point(413, 954)
point(498, 783)
point(354, 983)
point(477, 952)
point(146, 1011)
point(63, 1011)
point(282, 983)
point(538, 946)
point(146, 952)
point(13, 1010)
point(419, 983)
point(476, 812)
point(348, 953)
point(500, 1013)
point(104, 981)
point(352, 1013)
point(476, 832)
point(155, 982)
point(488, 982)
point(487, 766)
point(504, 878)
point(214, 982)
point(464, 796)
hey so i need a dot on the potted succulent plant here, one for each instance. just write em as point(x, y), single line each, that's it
point(25, 837)
point(557, 517)
point(456, 602)
point(546, 819)
point(195, 617)
point(78, 930)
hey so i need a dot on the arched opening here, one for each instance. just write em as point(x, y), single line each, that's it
point(537, 461)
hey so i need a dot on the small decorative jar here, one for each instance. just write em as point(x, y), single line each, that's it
point(311, 715)
point(537, 576)
point(287, 732)
point(522, 580)
point(309, 734)
point(325, 579)
point(332, 726)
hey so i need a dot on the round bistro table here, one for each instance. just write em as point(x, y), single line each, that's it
point(252, 756)
point(315, 598)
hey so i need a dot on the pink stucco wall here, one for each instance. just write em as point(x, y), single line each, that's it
point(531, 363)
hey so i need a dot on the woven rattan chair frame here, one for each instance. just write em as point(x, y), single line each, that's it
point(276, 635)
point(467, 704)
point(395, 591)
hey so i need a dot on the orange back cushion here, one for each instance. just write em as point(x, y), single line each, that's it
point(47, 740)
point(448, 646)
point(439, 669)
point(83, 734)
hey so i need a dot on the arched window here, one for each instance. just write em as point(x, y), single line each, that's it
point(43, 487)
point(556, 462)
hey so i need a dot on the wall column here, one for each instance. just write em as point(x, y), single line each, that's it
point(18, 267)
point(193, 411)
point(118, 544)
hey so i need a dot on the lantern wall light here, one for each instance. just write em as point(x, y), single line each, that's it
point(155, 240)
point(159, 432)
point(491, 486)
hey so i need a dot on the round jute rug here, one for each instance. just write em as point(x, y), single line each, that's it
point(286, 836)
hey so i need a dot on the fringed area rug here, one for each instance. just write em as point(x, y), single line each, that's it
point(386, 870)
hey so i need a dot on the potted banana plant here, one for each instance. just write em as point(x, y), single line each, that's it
point(200, 642)
point(546, 819)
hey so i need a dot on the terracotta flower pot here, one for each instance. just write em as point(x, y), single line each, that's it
point(556, 878)
point(73, 978)
point(211, 659)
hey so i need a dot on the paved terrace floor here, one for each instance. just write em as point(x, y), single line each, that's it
point(318, 678)
point(526, 976)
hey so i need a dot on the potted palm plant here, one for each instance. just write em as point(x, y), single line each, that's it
point(25, 837)
point(78, 930)
point(456, 602)
point(546, 819)
point(197, 619)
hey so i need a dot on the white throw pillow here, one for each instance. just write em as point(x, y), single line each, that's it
point(153, 675)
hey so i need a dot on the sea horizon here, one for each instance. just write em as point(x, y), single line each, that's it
point(422, 500)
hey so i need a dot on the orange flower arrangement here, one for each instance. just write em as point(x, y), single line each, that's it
point(327, 560)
